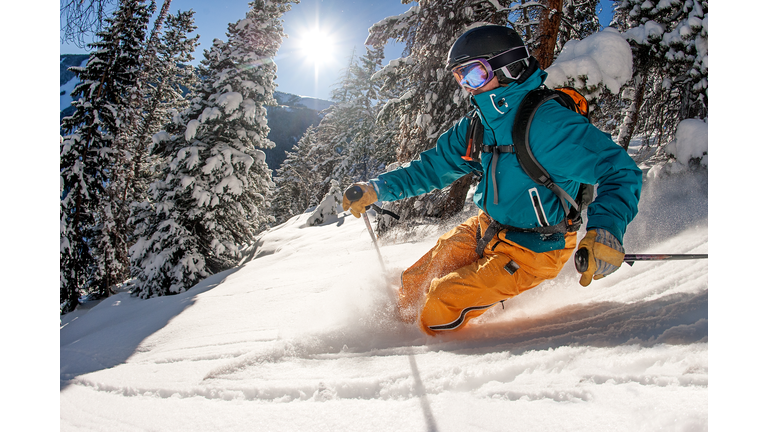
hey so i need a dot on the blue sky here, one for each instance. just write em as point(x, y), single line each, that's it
point(343, 26)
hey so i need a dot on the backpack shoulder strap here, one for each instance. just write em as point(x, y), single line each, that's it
point(521, 134)
point(474, 137)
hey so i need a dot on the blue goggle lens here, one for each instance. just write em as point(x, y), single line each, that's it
point(474, 74)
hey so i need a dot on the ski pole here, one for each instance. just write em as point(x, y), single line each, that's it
point(582, 256)
point(353, 194)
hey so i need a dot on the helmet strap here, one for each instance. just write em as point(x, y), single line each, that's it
point(508, 74)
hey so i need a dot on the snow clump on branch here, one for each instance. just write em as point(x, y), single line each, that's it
point(601, 59)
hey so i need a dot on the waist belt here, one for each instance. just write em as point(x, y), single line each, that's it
point(495, 227)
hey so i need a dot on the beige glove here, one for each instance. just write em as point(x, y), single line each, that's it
point(605, 255)
point(359, 196)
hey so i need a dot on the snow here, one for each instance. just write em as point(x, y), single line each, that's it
point(191, 130)
point(645, 33)
point(391, 67)
point(230, 101)
point(234, 184)
point(328, 210)
point(604, 58)
point(399, 22)
point(209, 113)
point(249, 109)
point(161, 137)
point(691, 142)
point(302, 337)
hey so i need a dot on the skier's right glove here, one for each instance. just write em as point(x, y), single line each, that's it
point(604, 255)
point(363, 193)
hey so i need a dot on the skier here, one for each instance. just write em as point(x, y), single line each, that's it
point(519, 237)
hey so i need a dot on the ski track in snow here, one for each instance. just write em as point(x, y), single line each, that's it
point(303, 337)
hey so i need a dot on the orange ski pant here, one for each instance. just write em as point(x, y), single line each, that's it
point(451, 284)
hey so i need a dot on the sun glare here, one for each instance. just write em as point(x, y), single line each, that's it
point(317, 47)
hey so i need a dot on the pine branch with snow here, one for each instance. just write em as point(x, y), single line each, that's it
point(600, 61)
point(670, 48)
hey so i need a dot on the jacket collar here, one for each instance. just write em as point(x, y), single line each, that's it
point(494, 105)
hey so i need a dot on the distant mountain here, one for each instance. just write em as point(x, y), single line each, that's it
point(309, 102)
point(287, 122)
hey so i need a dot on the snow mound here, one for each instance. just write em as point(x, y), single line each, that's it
point(691, 142)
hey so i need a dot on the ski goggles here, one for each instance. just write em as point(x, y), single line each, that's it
point(473, 74)
point(479, 72)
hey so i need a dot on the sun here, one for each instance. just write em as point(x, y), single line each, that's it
point(317, 46)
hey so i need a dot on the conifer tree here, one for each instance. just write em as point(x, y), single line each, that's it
point(168, 75)
point(580, 19)
point(669, 44)
point(350, 144)
point(329, 207)
point(546, 25)
point(92, 255)
point(295, 180)
point(213, 193)
point(129, 26)
point(333, 133)
point(363, 153)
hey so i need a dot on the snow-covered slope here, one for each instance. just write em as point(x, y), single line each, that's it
point(303, 338)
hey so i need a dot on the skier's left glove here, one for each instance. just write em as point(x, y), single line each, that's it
point(367, 197)
point(605, 255)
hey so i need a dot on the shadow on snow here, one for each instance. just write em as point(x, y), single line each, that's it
point(112, 334)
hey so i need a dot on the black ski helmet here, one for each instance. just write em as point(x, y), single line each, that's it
point(488, 42)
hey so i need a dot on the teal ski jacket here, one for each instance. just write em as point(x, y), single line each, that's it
point(571, 149)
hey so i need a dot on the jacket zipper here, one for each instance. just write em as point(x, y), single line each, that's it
point(537, 207)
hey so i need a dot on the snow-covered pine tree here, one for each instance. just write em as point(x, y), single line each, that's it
point(349, 141)
point(295, 180)
point(431, 101)
point(546, 25)
point(383, 128)
point(81, 181)
point(333, 133)
point(128, 27)
point(329, 207)
point(348, 145)
point(669, 44)
point(361, 157)
point(92, 255)
point(686, 68)
point(213, 194)
point(580, 19)
point(167, 77)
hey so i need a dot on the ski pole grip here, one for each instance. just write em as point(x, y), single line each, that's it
point(354, 193)
point(581, 259)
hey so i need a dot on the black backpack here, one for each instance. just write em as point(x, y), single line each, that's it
point(569, 98)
